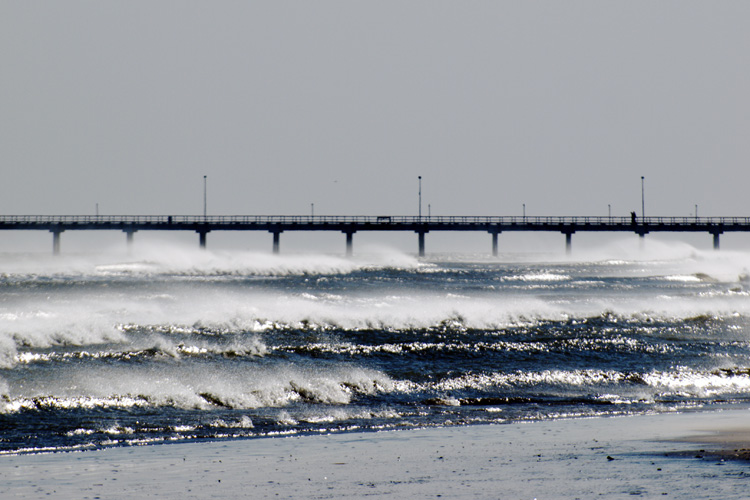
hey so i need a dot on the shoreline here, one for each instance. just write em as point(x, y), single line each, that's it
point(666, 455)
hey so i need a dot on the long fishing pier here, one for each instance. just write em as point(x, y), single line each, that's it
point(349, 225)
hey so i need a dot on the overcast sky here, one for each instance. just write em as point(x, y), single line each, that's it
point(562, 106)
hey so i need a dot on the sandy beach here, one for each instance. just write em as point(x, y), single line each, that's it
point(690, 455)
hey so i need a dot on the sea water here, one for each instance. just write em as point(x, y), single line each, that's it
point(177, 344)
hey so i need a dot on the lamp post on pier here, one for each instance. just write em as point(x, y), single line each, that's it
point(420, 197)
point(643, 199)
point(205, 205)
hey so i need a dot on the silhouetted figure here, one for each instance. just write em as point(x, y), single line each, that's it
point(632, 218)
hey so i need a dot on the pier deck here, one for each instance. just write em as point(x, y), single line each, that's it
point(277, 224)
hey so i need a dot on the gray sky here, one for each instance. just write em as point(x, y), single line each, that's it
point(558, 105)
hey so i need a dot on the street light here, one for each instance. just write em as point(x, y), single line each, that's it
point(643, 200)
point(420, 197)
point(204, 197)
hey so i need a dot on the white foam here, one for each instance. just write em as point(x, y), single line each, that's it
point(183, 386)
point(685, 382)
point(109, 318)
point(170, 259)
point(693, 383)
point(244, 422)
point(538, 276)
point(683, 279)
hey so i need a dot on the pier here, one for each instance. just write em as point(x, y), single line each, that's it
point(349, 225)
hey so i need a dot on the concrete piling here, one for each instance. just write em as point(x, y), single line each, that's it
point(56, 241)
point(349, 243)
point(276, 241)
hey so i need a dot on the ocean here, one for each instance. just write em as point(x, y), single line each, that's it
point(178, 344)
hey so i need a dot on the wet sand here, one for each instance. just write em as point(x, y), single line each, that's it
point(690, 455)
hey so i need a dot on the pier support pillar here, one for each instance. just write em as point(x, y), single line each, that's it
point(129, 239)
point(568, 243)
point(276, 241)
point(494, 244)
point(716, 241)
point(421, 242)
point(202, 235)
point(349, 243)
point(56, 241)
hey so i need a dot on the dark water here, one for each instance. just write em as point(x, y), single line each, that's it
point(107, 351)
